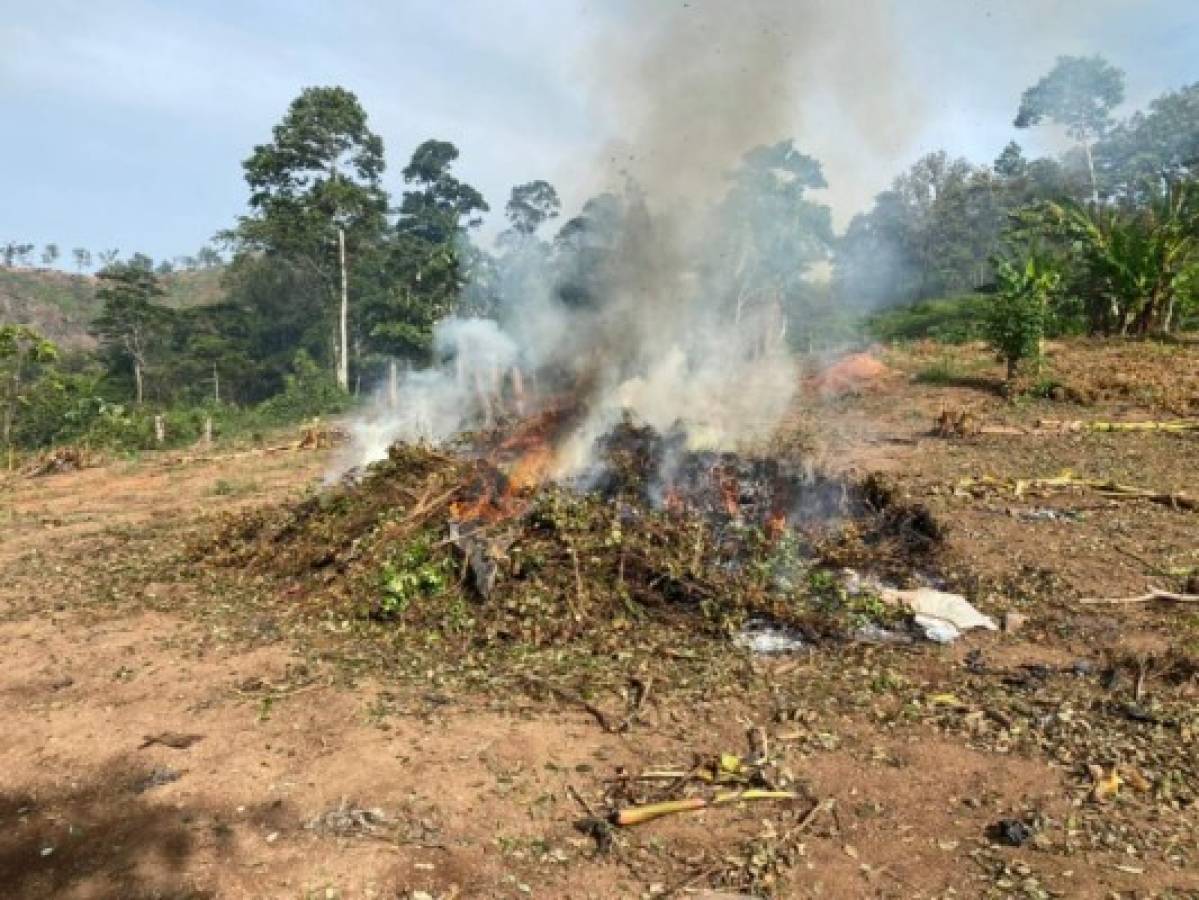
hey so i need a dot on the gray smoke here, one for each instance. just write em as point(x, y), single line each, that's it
point(654, 301)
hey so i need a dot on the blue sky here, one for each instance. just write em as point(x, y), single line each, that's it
point(125, 121)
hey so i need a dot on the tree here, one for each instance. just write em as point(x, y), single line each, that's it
point(108, 257)
point(1142, 155)
point(276, 307)
point(208, 257)
point(1079, 93)
point(316, 196)
point(494, 285)
point(20, 348)
point(50, 254)
point(1016, 319)
point(14, 252)
point(422, 268)
point(933, 232)
point(530, 206)
point(586, 248)
point(1011, 162)
point(437, 206)
point(83, 258)
point(130, 322)
point(141, 261)
point(769, 234)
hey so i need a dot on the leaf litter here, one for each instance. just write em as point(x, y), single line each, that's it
point(580, 593)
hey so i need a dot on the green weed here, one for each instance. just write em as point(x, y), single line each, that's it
point(413, 573)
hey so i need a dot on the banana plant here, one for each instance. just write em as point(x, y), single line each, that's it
point(1134, 264)
point(1016, 320)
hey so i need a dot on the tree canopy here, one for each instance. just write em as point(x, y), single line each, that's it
point(421, 266)
point(322, 170)
point(1080, 93)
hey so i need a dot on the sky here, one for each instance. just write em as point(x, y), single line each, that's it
point(124, 123)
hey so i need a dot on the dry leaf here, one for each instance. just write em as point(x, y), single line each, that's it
point(1106, 786)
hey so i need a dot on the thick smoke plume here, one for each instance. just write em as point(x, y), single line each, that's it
point(658, 298)
point(706, 80)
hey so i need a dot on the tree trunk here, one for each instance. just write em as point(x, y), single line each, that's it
point(1144, 319)
point(137, 380)
point(1086, 146)
point(343, 356)
point(393, 385)
point(10, 408)
point(1168, 315)
point(216, 384)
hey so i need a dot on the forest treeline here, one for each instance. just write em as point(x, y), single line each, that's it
point(330, 276)
point(14, 254)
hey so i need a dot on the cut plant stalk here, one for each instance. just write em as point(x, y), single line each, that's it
point(638, 815)
point(1079, 425)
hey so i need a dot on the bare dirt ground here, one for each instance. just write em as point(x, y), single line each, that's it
point(316, 761)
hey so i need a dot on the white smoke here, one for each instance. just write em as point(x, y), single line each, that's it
point(435, 404)
point(650, 318)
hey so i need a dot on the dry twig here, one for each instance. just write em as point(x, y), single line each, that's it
point(571, 697)
point(1154, 594)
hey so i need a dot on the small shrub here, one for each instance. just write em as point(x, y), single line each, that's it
point(947, 320)
point(310, 391)
point(1018, 314)
point(1047, 388)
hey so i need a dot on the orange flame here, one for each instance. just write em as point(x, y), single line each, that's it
point(776, 525)
point(514, 467)
point(530, 469)
point(730, 491)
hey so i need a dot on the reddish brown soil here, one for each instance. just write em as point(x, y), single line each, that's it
point(100, 651)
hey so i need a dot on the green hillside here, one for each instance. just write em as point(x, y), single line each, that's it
point(62, 305)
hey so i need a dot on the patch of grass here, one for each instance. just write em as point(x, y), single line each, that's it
point(953, 367)
point(224, 487)
point(942, 371)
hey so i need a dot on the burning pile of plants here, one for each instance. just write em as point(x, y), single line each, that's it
point(478, 544)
